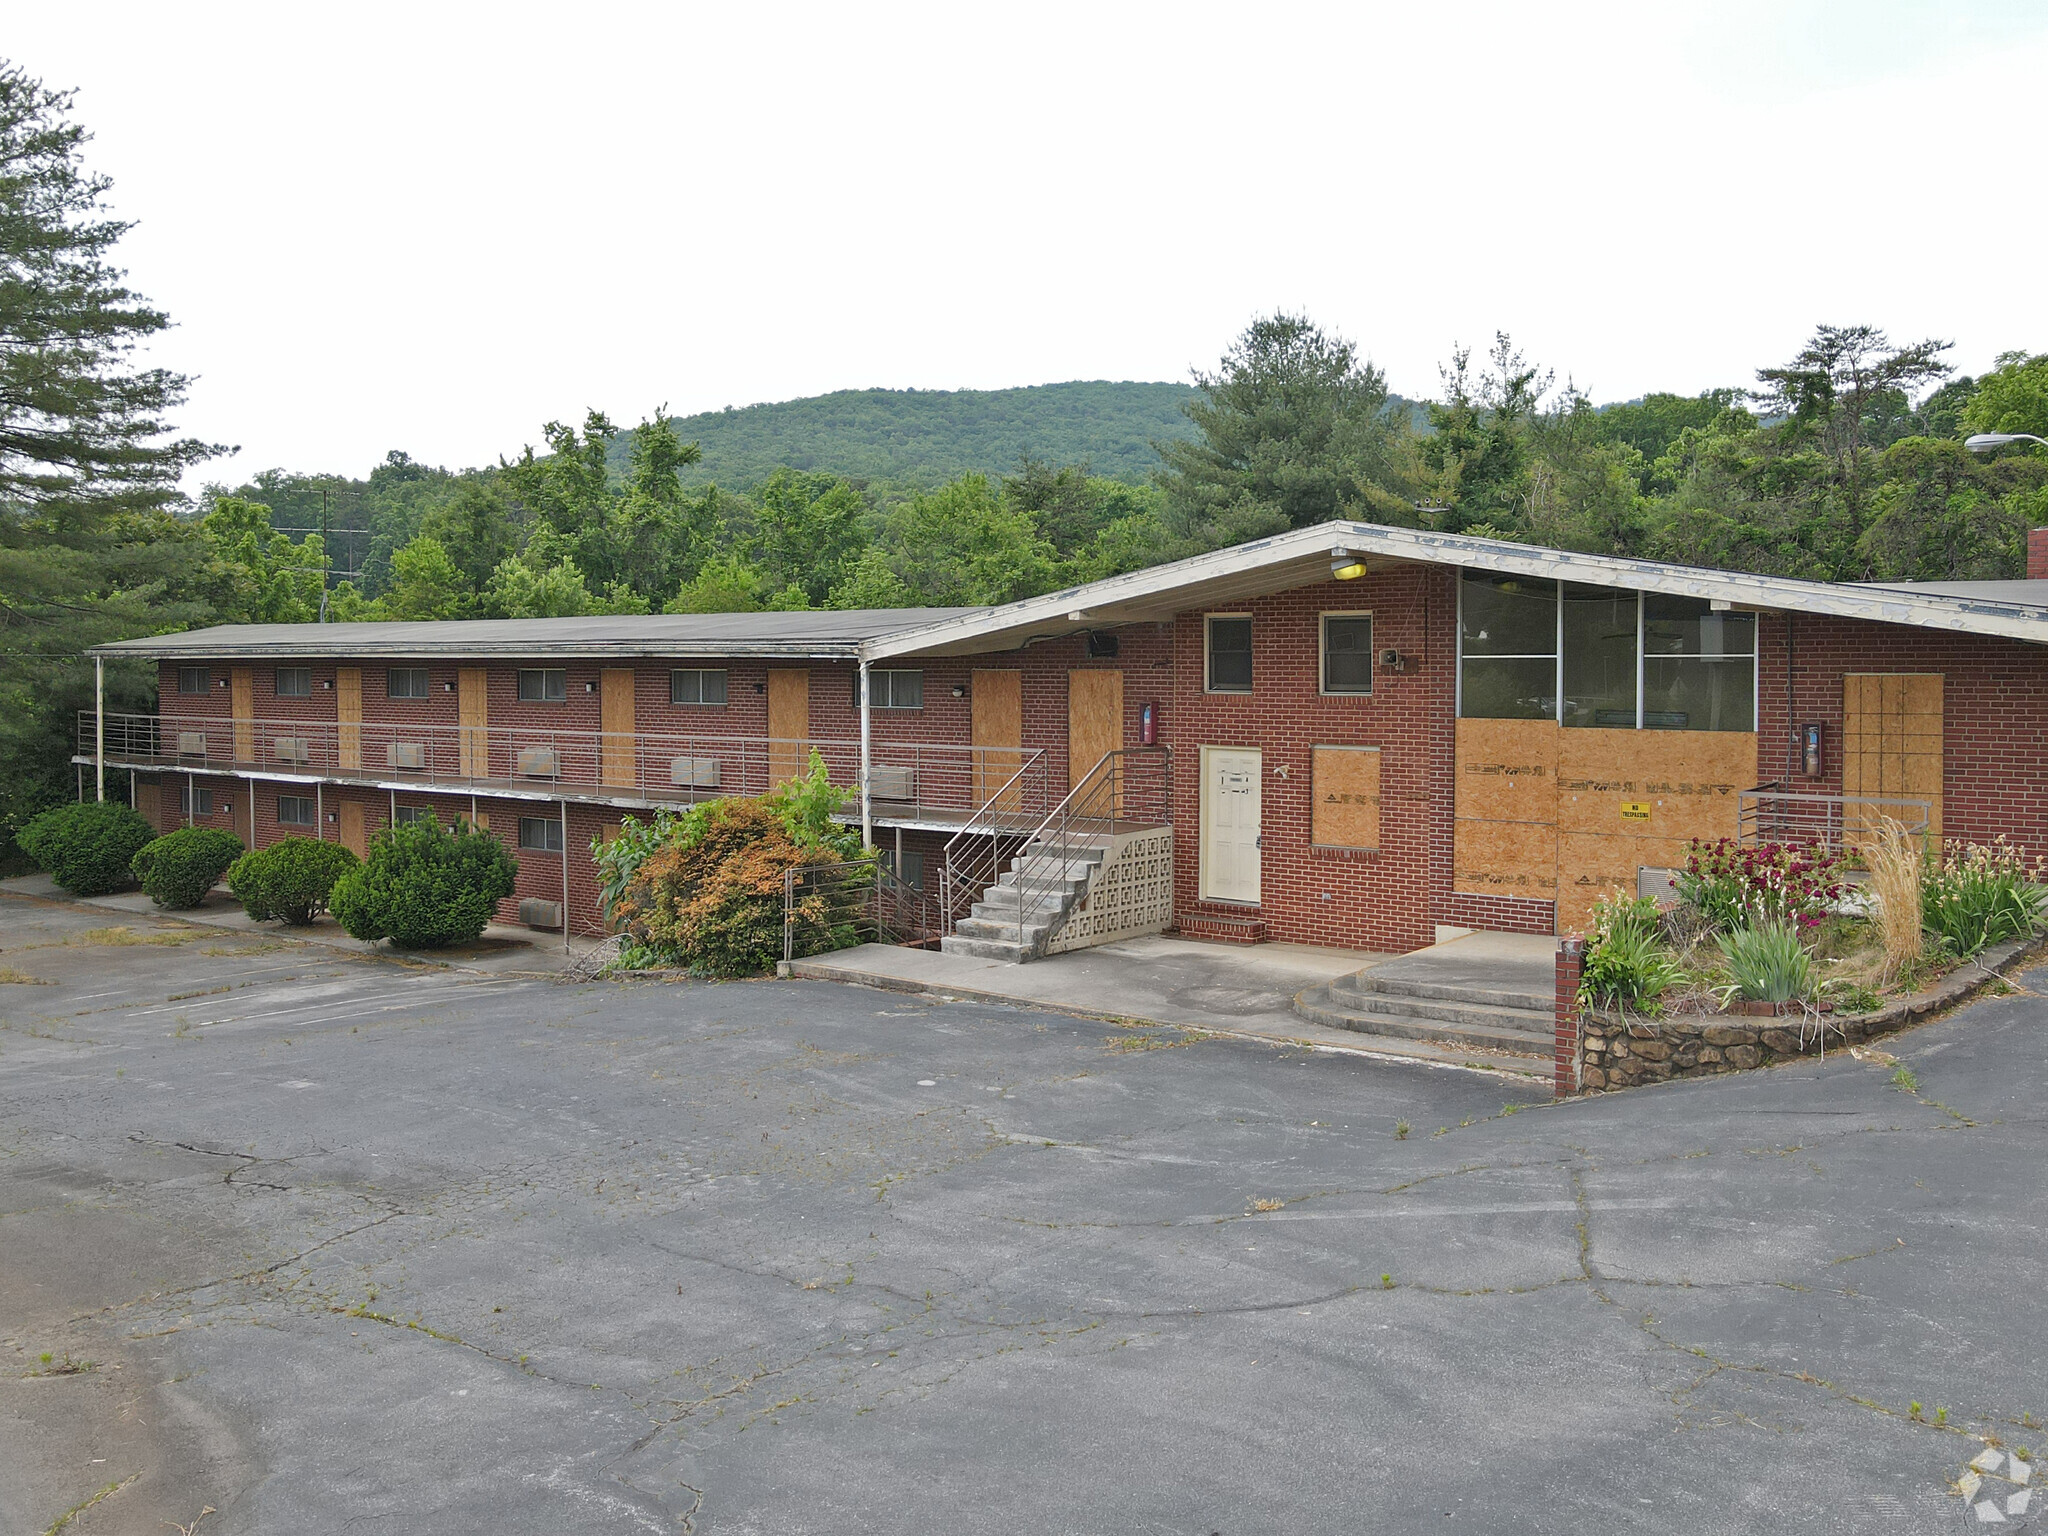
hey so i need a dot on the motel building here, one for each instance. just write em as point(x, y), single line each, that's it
point(1352, 736)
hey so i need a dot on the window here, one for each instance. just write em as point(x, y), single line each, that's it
point(405, 683)
point(194, 680)
point(295, 811)
point(1347, 653)
point(1599, 657)
point(891, 690)
point(694, 687)
point(540, 834)
point(1699, 666)
point(912, 871)
point(543, 685)
point(295, 682)
point(193, 801)
point(1230, 654)
point(1507, 647)
point(406, 815)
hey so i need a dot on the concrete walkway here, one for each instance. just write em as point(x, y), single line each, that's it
point(502, 950)
point(1246, 991)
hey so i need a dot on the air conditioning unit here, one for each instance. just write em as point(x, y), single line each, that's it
point(892, 783)
point(536, 913)
point(405, 754)
point(693, 772)
point(291, 749)
point(191, 743)
point(540, 763)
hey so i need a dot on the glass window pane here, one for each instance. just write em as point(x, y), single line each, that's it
point(1347, 653)
point(194, 679)
point(1509, 616)
point(294, 682)
point(1230, 655)
point(711, 685)
point(1686, 693)
point(1599, 657)
point(1688, 626)
point(1519, 689)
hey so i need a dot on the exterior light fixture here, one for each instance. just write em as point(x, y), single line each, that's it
point(1984, 442)
point(959, 690)
point(1345, 566)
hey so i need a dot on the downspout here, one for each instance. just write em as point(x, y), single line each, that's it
point(867, 802)
point(99, 725)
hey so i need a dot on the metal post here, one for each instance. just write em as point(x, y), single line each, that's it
point(319, 813)
point(867, 803)
point(565, 876)
point(252, 813)
point(99, 726)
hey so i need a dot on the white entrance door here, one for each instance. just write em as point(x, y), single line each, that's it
point(1231, 793)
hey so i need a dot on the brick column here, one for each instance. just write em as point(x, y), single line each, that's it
point(2037, 554)
point(1571, 960)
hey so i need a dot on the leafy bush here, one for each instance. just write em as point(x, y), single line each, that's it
point(1628, 964)
point(88, 848)
point(1978, 895)
point(1736, 886)
point(179, 868)
point(1768, 964)
point(425, 885)
point(290, 880)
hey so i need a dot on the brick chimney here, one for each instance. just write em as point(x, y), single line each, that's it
point(2037, 554)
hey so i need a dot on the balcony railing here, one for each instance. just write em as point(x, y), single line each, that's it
point(952, 781)
point(1771, 813)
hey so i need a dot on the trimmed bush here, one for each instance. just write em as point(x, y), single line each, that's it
point(179, 868)
point(291, 880)
point(87, 848)
point(425, 885)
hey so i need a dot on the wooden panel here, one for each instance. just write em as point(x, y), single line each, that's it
point(1664, 784)
point(998, 723)
point(1591, 865)
point(618, 762)
point(1095, 719)
point(789, 723)
point(242, 705)
point(1891, 744)
point(1505, 858)
point(1507, 770)
point(348, 710)
point(473, 713)
point(149, 802)
point(353, 837)
point(610, 830)
point(1346, 794)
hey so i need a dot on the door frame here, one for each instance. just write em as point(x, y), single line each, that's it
point(1202, 826)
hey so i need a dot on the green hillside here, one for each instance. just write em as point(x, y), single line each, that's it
point(926, 436)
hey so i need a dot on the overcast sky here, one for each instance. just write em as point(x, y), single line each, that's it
point(434, 227)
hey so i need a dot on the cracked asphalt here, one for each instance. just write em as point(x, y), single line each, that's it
point(329, 1243)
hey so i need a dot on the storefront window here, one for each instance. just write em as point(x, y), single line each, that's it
point(1599, 657)
point(1699, 666)
point(1508, 648)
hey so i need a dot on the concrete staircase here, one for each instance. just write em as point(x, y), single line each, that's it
point(1490, 994)
point(992, 931)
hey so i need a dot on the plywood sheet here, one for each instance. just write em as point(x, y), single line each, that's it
point(353, 836)
point(1591, 865)
point(997, 721)
point(1507, 770)
point(1664, 784)
point(149, 802)
point(618, 763)
point(1346, 791)
point(789, 723)
point(242, 705)
point(1505, 858)
point(1095, 718)
point(473, 711)
point(348, 711)
point(1891, 746)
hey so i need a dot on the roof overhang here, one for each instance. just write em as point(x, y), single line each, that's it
point(1302, 558)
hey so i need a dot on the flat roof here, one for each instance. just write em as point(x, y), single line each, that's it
point(835, 634)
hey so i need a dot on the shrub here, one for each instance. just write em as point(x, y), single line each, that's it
point(290, 880)
point(179, 868)
point(425, 885)
point(88, 848)
point(1978, 895)
point(1628, 964)
point(1736, 886)
point(1768, 964)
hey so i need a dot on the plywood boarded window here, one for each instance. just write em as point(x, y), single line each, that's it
point(1347, 798)
point(1891, 748)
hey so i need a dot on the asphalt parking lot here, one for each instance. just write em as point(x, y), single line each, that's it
point(329, 1243)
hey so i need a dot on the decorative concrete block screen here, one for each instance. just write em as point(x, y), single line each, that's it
point(1130, 896)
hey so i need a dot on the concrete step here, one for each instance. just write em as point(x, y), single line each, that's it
point(996, 902)
point(1225, 930)
point(1040, 890)
point(984, 949)
point(1316, 1004)
point(1348, 992)
point(1000, 929)
point(1038, 867)
point(1449, 991)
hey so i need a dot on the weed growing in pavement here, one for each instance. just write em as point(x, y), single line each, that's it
point(1264, 1204)
point(1400, 1130)
point(1904, 1080)
point(1386, 1282)
point(1912, 1410)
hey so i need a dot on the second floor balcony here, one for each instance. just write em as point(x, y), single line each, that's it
point(940, 785)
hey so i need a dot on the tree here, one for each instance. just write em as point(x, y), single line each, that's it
point(424, 582)
point(811, 529)
point(723, 584)
point(264, 577)
point(2013, 397)
point(1295, 431)
point(960, 546)
point(869, 583)
point(1477, 453)
point(87, 466)
point(474, 529)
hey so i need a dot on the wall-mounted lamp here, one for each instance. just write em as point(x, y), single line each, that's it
point(326, 682)
point(959, 690)
point(448, 687)
point(760, 687)
point(590, 687)
point(332, 818)
point(1345, 566)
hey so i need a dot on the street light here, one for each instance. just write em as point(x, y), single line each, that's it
point(1984, 442)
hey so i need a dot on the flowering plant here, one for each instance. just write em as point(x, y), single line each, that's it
point(1734, 885)
point(1978, 894)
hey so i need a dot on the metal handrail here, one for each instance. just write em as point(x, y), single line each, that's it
point(863, 895)
point(1771, 813)
point(658, 766)
point(973, 856)
point(1110, 798)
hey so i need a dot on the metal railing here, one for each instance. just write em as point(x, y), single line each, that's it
point(1770, 813)
point(1129, 789)
point(832, 906)
point(973, 856)
point(952, 779)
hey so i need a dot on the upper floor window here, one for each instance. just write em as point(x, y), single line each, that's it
point(892, 690)
point(295, 682)
point(405, 683)
point(691, 686)
point(1229, 653)
point(1699, 666)
point(194, 680)
point(1347, 653)
point(543, 685)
